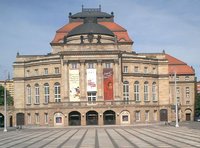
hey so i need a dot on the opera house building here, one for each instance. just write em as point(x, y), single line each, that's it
point(93, 76)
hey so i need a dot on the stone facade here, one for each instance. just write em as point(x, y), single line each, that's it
point(142, 87)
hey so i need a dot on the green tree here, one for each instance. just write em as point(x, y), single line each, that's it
point(197, 104)
point(9, 98)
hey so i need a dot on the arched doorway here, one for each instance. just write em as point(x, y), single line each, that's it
point(109, 117)
point(74, 118)
point(163, 115)
point(1, 120)
point(20, 119)
point(188, 113)
point(92, 118)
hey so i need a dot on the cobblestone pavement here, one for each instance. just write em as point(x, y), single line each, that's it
point(103, 137)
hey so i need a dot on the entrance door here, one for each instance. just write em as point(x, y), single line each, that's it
point(92, 118)
point(74, 118)
point(109, 117)
point(1, 120)
point(188, 117)
point(163, 115)
point(20, 118)
point(11, 124)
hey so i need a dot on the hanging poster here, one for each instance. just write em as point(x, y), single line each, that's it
point(108, 83)
point(91, 80)
point(74, 85)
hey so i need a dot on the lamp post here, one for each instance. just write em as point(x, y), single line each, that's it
point(5, 109)
point(176, 101)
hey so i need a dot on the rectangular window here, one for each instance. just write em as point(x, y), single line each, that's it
point(46, 94)
point(92, 97)
point(57, 93)
point(58, 119)
point(154, 70)
point(125, 118)
point(37, 119)
point(178, 99)
point(136, 91)
point(177, 78)
point(37, 95)
point(146, 92)
point(36, 72)
point(145, 69)
point(57, 70)
point(137, 116)
point(45, 71)
point(28, 95)
point(154, 96)
point(28, 73)
point(29, 118)
point(125, 69)
point(74, 65)
point(90, 65)
point(178, 90)
point(108, 65)
point(126, 92)
point(187, 89)
point(46, 118)
point(187, 78)
point(136, 69)
point(187, 102)
point(146, 115)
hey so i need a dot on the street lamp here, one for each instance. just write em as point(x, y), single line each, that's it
point(176, 101)
point(5, 110)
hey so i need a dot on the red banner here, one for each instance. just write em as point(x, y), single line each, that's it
point(108, 83)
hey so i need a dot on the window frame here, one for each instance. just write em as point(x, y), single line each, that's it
point(57, 91)
point(137, 91)
point(37, 94)
point(146, 91)
point(46, 93)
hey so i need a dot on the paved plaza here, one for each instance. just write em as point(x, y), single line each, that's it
point(144, 136)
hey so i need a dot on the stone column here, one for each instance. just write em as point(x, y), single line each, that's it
point(65, 80)
point(82, 80)
point(83, 119)
point(117, 76)
point(99, 80)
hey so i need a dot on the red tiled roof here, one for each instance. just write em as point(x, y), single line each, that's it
point(112, 26)
point(119, 31)
point(173, 60)
point(69, 27)
point(178, 66)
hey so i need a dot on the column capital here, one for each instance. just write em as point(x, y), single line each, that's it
point(65, 62)
point(82, 61)
point(116, 61)
point(99, 61)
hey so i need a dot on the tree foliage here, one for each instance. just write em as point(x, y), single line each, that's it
point(197, 104)
point(9, 98)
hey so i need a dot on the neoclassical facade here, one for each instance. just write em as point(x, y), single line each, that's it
point(93, 76)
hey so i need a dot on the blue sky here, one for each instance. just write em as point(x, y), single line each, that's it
point(28, 26)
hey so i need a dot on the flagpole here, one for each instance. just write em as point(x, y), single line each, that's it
point(176, 101)
point(5, 109)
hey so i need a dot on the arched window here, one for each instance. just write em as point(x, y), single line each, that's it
point(37, 94)
point(146, 91)
point(136, 91)
point(28, 94)
point(154, 89)
point(46, 93)
point(126, 91)
point(57, 92)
